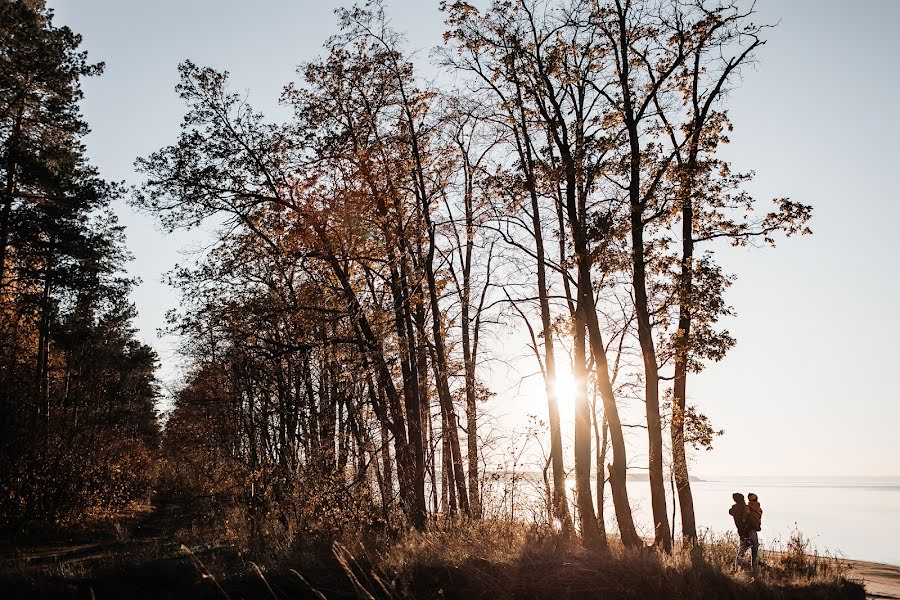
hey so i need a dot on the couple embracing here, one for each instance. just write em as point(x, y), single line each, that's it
point(748, 520)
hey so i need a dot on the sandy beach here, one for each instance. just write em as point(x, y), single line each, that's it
point(881, 581)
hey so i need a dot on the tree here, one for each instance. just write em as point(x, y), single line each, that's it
point(77, 390)
point(348, 191)
point(541, 64)
point(711, 206)
point(337, 318)
point(40, 125)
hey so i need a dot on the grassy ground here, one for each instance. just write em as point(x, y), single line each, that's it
point(487, 559)
point(512, 560)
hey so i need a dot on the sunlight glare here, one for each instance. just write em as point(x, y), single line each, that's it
point(565, 391)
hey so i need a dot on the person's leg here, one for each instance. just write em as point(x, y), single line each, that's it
point(754, 550)
point(742, 548)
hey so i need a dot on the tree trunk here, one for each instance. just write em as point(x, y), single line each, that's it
point(42, 365)
point(448, 492)
point(441, 373)
point(600, 460)
point(682, 348)
point(679, 455)
point(413, 498)
point(662, 533)
point(583, 495)
point(10, 190)
point(412, 387)
point(560, 500)
point(469, 357)
point(617, 471)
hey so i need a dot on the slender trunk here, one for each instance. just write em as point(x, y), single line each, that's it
point(548, 492)
point(403, 326)
point(5, 213)
point(422, 375)
point(583, 495)
point(448, 472)
point(387, 485)
point(412, 498)
point(42, 365)
point(385, 478)
point(10, 190)
point(469, 361)
point(575, 186)
point(662, 533)
point(672, 492)
point(682, 348)
point(281, 394)
point(600, 463)
point(328, 393)
point(471, 433)
point(617, 470)
point(343, 439)
point(560, 502)
point(441, 372)
point(368, 458)
point(412, 387)
point(433, 465)
point(312, 444)
point(679, 456)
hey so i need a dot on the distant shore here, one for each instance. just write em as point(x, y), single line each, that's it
point(646, 477)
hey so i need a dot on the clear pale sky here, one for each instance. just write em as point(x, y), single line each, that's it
point(810, 387)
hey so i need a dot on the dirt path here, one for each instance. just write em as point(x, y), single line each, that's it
point(141, 530)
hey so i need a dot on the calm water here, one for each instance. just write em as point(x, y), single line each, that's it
point(855, 518)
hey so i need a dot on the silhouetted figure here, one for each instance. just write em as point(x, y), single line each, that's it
point(738, 510)
point(748, 518)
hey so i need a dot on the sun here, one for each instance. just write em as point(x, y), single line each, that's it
point(565, 392)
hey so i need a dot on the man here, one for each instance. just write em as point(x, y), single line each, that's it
point(748, 519)
point(738, 510)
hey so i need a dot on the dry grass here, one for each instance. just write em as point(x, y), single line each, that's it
point(484, 559)
point(493, 559)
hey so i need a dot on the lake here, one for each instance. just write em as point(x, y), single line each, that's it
point(850, 517)
point(855, 518)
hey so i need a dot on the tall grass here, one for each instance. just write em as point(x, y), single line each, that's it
point(507, 559)
point(451, 559)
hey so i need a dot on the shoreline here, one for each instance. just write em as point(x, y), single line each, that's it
point(881, 580)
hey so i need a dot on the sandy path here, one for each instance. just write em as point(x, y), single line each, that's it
point(881, 581)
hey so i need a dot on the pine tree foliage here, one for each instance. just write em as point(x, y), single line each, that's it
point(78, 430)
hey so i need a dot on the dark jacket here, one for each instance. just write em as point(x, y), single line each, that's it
point(739, 511)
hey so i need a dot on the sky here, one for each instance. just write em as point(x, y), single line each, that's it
point(809, 388)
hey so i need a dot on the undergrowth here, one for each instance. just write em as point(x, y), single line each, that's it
point(499, 559)
point(458, 559)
